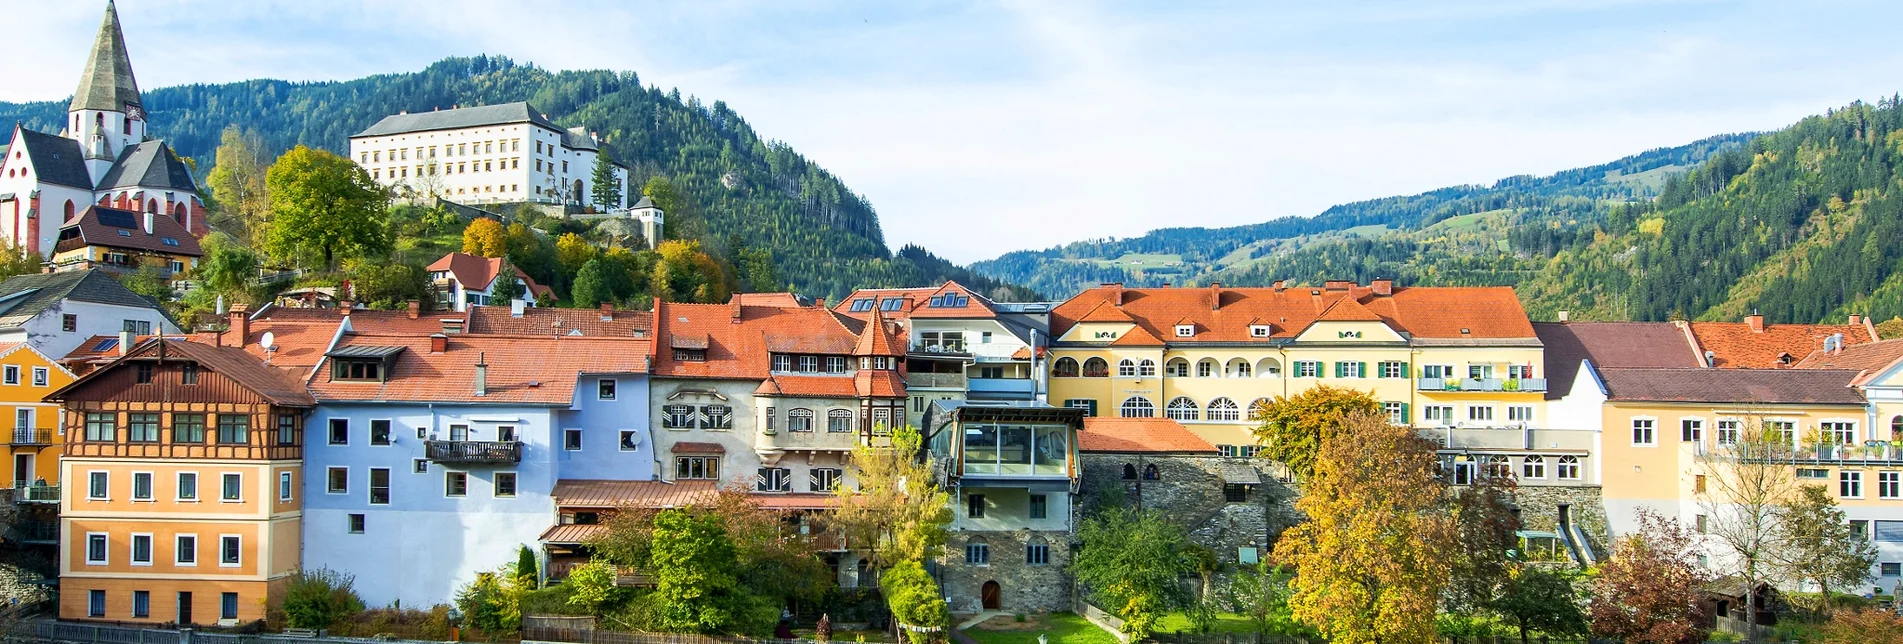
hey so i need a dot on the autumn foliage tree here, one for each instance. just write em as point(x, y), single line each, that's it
point(1374, 556)
point(1293, 428)
point(486, 237)
point(1647, 593)
point(896, 509)
point(1863, 627)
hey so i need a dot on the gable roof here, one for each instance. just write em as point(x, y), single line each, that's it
point(739, 338)
point(555, 321)
point(1427, 315)
point(520, 370)
point(55, 159)
point(1736, 345)
point(1139, 436)
point(475, 272)
point(149, 164)
point(116, 228)
point(1731, 386)
point(459, 118)
point(36, 292)
point(106, 82)
point(1610, 344)
point(1347, 309)
point(1870, 359)
point(242, 368)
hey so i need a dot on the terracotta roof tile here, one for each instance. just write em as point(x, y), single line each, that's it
point(1138, 337)
point(918, 302)
point(815, 386)
point(741, 347)
point(116, 228)
point(1737, 346)
point(1441, 312)
point(476, 272)
point(876, 383)
point(555, 321)
point(1347, 309)
point(1732, 386)
point(1869, 358)
point(696, 447)
point(1610, 344)
point(1139, 435)
point(525, 370)
point(248, 371)
point(596, 493)
point(876, 339)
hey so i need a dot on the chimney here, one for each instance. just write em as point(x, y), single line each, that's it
point(1280, 284)
point(1382, 286)
point(482, 375)
point(416, 309)
point(607, 312)
point(1855, 319)
point(1215, 296)
point(1565, 315)
point(148, 223)
point(515, 307)
point(452, 326)
point(241, 323)
point(1338, 285)
point(346, 306)
point(438, 343)
point(821, 302)
point(1116, 293)
point(1755, 321)
point(125, 342)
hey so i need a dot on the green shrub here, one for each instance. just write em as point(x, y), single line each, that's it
point(319, 598)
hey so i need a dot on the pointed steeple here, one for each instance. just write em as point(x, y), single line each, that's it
point(106, 83)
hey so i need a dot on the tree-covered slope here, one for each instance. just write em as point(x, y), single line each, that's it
point(824, 238)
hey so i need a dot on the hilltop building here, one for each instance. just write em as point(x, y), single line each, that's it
point(463, 281)
point(104, 156)
point(507, 153)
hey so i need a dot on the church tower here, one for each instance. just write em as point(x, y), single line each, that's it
point(106, 115)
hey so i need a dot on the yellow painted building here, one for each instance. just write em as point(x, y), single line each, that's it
point(183, 500)
point(26, 377)
point(1437, 357)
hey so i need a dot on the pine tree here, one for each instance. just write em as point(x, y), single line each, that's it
point(606, 189)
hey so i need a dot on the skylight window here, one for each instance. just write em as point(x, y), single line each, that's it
point(862, 305)
point(125, 233)
point(949, 301)
point(891, 304)
point(170, 241)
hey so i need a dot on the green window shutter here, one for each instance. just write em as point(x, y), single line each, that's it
point(1406, 416)
point(1338, 368)
point(1362, 369)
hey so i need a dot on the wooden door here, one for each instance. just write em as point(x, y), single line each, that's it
point(988, 594)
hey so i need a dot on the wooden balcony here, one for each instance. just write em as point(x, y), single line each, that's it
point(473, 452)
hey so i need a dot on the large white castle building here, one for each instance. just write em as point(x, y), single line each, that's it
point(508, 153)
point(103, 156)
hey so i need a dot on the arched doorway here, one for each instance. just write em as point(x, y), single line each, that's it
point(988, 595)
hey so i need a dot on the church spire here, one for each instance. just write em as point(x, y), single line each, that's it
point(106, 83)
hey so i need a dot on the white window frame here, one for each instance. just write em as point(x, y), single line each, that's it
point(132, 549)
point(1698, 429)
point(1473, 413)
point(105, 491)
point(222, 477)
point(286, 487)
point(1892, 488)
point(151, 488)
point(1520, 413)
point(1851, 479)
point(1560, 467)
point(1723, 426)
point(221, 551)
point(104, 560)
point(1831, 431)
point(578, 444)
point(1185, 330)
point(42, 377)
point(1651, 426)
point(11, 376)
point(178, 492)
point(1529, 462)
point(178, 551)
point(335, 468)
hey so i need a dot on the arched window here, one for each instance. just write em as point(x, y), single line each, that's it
point(839, 421)
point(1064, 368)
point(1129, 472)
point(1149, 472)
point(1268, 368)
point(1137, 407)
point(1096, 368)
point(152, 206)
point(1181, 408)
point(799, 420)
point(1206, 368)
point(1146, 368)
point(1896, 427)
point(1224, 409)
point(1126, 368)
point(1257, 408)
point(69, 210)
point(1176, 368)
point(178, 213)
point(1238, 368)
point(1533, 467)
point(99, 121)
point(1498, 467)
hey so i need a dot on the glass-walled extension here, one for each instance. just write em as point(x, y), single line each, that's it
point(1016, 449)
point(1002, 441)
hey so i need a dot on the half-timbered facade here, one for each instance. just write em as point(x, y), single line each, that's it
point(184, 501)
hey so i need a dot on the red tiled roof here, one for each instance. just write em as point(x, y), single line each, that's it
point(696, 447)
point(528, 370)
point(1869, 359)
point(876, 339)
point(554, 321)
point(1347, 309)
point(778, 300)
point(95, 231)
point(918, 302)
point(811, 386)
point(573, 533)
point(476, 272)
point(1148, 435)
point(1737, 346)
point(739, 338)
point(596, 493)
point(247, 371)
point(1732, 386)
point(1225, 314)
point(875, 383)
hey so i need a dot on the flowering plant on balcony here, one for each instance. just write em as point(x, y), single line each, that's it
point(1512, 384)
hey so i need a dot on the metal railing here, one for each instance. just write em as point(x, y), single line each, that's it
point(473, 451)
point(32, 436)
point(1481, 384)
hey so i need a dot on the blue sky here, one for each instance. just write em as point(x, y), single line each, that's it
point(982, 127)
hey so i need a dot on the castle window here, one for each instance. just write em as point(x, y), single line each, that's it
point(1150, 473)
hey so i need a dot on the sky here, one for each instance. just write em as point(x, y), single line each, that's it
point(977, 128)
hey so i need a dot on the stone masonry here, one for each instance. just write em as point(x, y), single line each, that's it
point(1188, 489)
point(1022, 587)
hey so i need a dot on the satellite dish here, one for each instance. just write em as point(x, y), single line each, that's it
point(269, 341)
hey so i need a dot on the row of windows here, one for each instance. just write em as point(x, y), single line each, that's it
point(1036, 554)
point(1726, 431)
point(232, 429)
point(1850, 482)
point(455, 482)
point(141, 551)
point(838, 421)
point(1226, 410)
point(184, 488)
point(1067, 367)
point(10, 375)
point(780, 479)
point(1498, 466)
point(459, 149)
point(142, 604)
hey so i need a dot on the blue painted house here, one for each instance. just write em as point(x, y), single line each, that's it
point(432, 458)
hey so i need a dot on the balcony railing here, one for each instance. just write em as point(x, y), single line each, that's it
point(473, 452)
point(35, 493)
point(37, 531)
point(31, 436)
point(1482, 384)
point(1020, 386)
point(927, 379)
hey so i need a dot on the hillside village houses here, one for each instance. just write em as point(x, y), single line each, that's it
point(507, 153)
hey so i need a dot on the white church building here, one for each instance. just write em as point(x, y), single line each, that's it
point(103, 156)
point(507, 153)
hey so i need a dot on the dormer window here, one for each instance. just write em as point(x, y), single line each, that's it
point(690, 355)
point(782, 363)
point(1185, 330)
point(891, 304)
point(1259, 330)
point(862, 305)
point(949, 301)
point(360, 370)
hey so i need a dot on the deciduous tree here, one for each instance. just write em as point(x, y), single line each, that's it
point(1536, 598)
point(486, 237)
point(237, 184)
point(591, 286)
point(1374, 555)
point(316, 599)
point(322, 207)
point(1647, 593)
point(1486, 526)
point(696, 576)
point(913, 597)
point(1132, 562)
point(1742, 489)
point(896, 510)
point(1293, 428)
point(1866, 626)
point(1819, 546)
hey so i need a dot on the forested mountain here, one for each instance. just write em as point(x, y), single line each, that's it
point(824, 238)
point(1801, 224)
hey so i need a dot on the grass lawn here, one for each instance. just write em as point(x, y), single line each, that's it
point(1060, 628)
point(1225, 623)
